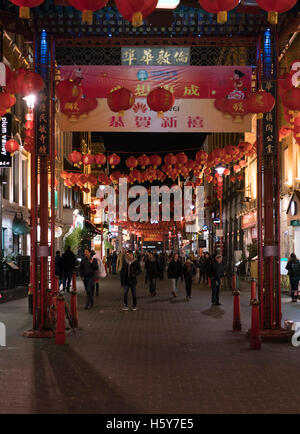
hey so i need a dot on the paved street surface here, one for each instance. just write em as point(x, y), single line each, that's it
point(169, 356)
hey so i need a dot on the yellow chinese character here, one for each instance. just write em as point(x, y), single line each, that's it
point(238, 107)
point(168, 87)
point(163, 57)
point(147, 57)
point(142, 90)
point(180, 56)
point(129, 56)
point(191, 90)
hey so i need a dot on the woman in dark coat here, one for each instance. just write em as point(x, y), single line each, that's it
point(293, 267)
point(174, 272)
point(189, 272)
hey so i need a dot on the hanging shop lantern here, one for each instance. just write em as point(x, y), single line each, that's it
point(73, 178)
point(131, 162)
point(135, 11)
point(82, 179)
point(7, 100)
point(103, 178)
point(236, 168)
point(201, 157)
point(219, 7)
point(226, 172)
point(25, 5)
point(233, 179)
point(160, 100)
point(115, 176)
point(67, 90)
point(236, 109)
point(92, 180)
point(260, 102)
point(155, 160)
point(181, 159)
point(170, 160)
point(64, 174)
point(143, 161)
point(100, 159)
point(291, 100)
point(244, 147)
point(75, 157)
point(114, 160)
point(88, 159)
point(284, 83)
point(120, 100)
point(151, 174)
point(11, 146)
point(242, 163)
point(284, 132)
point(87, 7)
point(273, 7)
point(30, 83)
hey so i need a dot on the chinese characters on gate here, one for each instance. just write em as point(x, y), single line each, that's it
point(42, 124)
point(158, 56)
point(269, 123)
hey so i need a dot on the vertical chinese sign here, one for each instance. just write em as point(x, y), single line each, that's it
point(43, 123)
point(5, 158)
point(269, 123)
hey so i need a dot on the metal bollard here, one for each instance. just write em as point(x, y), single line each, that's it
point(60, 336)
point(209, 281)
point(253, 289)
point(74, 313)
point(236, 326)
point(255, 339)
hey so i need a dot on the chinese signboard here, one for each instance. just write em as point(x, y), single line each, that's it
point(158, 56)
point(192, 116)
point(5, 158)
point(42, 124)
point(269, 123)
point(153, 237)
point(249, 220)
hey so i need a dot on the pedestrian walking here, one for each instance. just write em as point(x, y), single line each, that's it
point(216, 272)
point(68, 263)
point(88, 267)
point(152, 270)
point(130, 269)
point(175, 272)
point(293, 267)
point(120, 259)
point(189, 272)
point(161, 264)
point(114, 258)
point(100, 272)
point(202, 264)
point(58, 268)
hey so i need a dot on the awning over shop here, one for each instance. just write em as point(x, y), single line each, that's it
point(20, 226)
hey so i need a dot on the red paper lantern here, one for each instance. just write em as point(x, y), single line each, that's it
point(5, 100)
point(131, 162)
point(181, 159)
point(120, 100)
point(88, 7)
point(244, 147)
point(63, 174)
point(100, 159)
point(236, 168)
point(285, 83)
point(260, 102)
point(242, 163)
point(114, 160)
point(24, 5)
point(136, 10)
point(160, 100)
point(11, 146)
point(88, 159)
point(92, 180)
point(240, 177)
point(103, 178)
point(30, 83)
point(155, 160)
point(291, 99)
point(232, 179)
point(73, 178)
point(151, 174)
point(83, 179)
point(143, 161)
point(67, 90)
point(201, 157)
point(170, 159)
point(273, 7)
point(219, 7)
point(75, 157)
point(226, 172)
point(115, 176)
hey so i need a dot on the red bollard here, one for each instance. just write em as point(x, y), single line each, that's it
point(74, 282)
point(253, 289)
point(60, 336)
point(233, 283)
point(236, 326)
point(74, 313)
point(255, 339)
point(209, 281)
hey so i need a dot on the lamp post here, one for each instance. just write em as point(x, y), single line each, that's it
point(220, 170)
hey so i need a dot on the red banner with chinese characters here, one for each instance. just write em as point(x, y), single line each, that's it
point(184, 81)
point(153, 237)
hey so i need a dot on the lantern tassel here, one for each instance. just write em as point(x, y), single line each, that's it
point(160, 114)
point(137, 19)
point(260, 115)
point(222, 17)
point(87, 17)
point(24, 13)
point(273, 17)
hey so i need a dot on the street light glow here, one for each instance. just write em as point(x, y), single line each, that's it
point(30, 100)
point(220, 170)
point(167, 4)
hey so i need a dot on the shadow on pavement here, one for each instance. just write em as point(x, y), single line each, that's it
point(214, 312)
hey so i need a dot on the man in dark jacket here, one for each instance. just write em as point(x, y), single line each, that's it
point(174, 272)
point(68, 262)
point(216, 272)
point(152, 270)
point(58, 268)
point(130, 269)
point(162, 264)
point(88, 268)
point(189, 272)
point(114, 258)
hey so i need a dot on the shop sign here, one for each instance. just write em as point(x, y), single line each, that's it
point(5, 158)
point(269, 122)
point(43, 123)
point(153, 237)
point(157, 56)
point(249, 220)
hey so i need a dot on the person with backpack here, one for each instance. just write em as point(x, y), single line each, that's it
point(293, 267)
point(100, 272)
